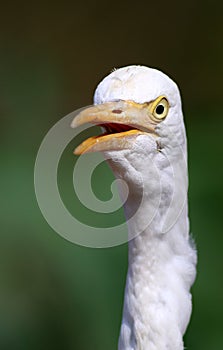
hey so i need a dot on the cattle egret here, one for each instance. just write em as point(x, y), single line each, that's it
point(139, 109)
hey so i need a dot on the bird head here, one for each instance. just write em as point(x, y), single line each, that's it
point(139, 110)
point(132, 102)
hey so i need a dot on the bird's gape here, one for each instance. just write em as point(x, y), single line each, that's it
point(113, 128)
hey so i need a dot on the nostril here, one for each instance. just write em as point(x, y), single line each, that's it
point(117, 111)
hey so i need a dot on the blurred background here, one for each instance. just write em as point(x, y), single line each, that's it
point(54, 294)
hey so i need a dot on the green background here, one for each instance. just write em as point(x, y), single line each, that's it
point(54, 294)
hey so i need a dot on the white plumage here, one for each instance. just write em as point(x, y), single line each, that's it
point(152, 159)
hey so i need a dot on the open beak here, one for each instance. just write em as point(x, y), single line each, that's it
point(122, 121)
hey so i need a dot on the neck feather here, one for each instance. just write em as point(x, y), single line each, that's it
point(157, 304)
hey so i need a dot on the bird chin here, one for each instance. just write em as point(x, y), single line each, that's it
point(110, 142)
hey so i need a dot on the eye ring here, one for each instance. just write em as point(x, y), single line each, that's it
point(161, 109)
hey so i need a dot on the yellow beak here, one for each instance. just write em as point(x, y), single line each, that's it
point(123, 120)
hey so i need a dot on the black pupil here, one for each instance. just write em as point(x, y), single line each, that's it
point(160, 109)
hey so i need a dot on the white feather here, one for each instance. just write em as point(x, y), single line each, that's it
point(162, 264)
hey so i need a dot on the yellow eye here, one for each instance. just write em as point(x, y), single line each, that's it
point(160, 108)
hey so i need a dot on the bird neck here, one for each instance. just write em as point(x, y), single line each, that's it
point(157, 304)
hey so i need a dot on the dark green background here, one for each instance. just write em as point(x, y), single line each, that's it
point(55, 295)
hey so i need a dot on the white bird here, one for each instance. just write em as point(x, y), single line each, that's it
point(145, 139)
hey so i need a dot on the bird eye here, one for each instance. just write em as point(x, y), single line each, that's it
point(160, 109)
